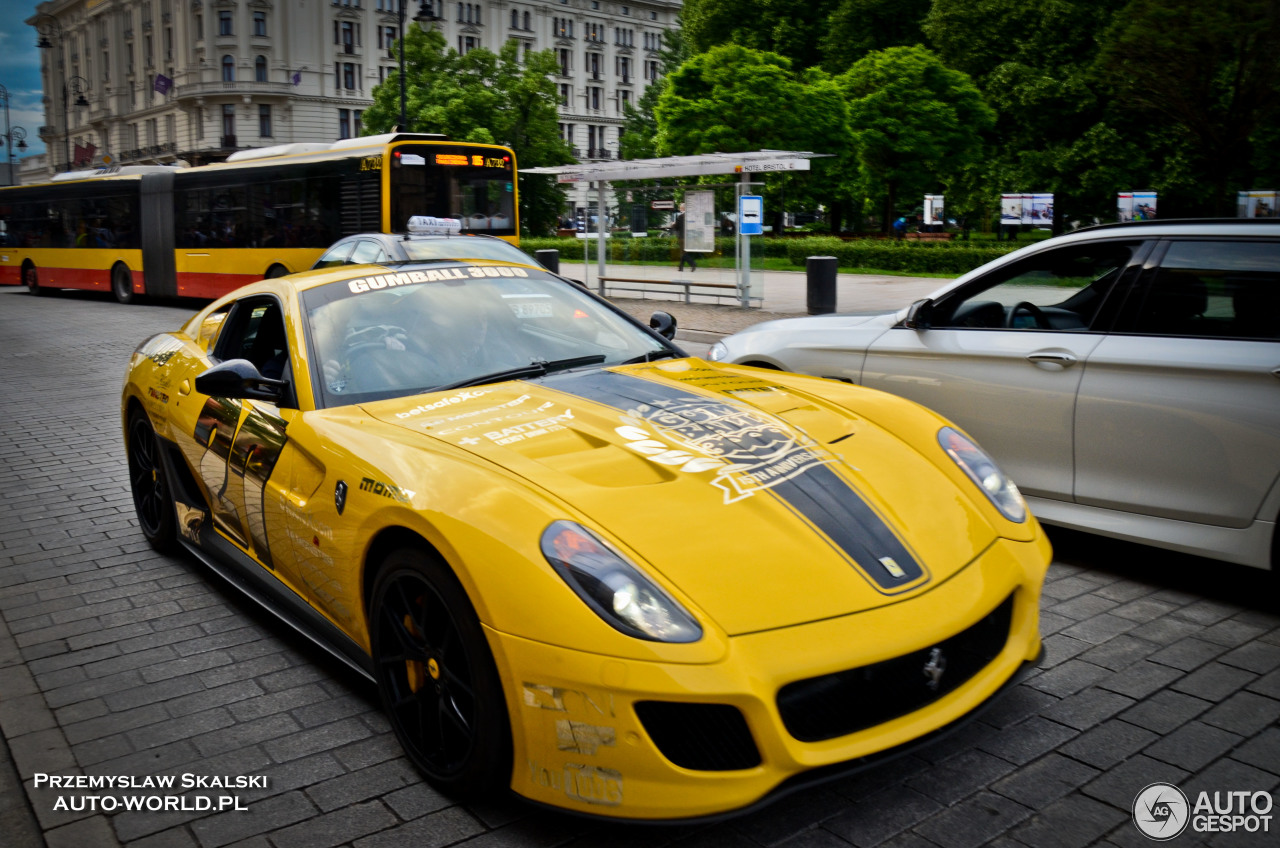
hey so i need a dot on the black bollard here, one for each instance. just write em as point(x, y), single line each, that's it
point(550, 259)
point(820, 274)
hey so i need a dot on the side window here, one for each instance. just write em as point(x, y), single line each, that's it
point(336, 256)
point(255, 331)
point(1214, 289)
point(367, 252)
point(1061, 289)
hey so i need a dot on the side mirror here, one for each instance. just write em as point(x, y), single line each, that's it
point(664, 324)
point(918, 315)
point(239, 378)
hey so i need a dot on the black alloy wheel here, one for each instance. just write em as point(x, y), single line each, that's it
point(151, 494)
point(122, 283)
point(436, 676)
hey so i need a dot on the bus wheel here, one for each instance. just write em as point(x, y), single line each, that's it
point(31, 279)
point(122, 283)
point(274, 271)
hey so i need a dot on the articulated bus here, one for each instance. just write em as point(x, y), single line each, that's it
point(166, 232)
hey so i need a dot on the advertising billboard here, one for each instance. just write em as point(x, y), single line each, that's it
point(1135, 206)
point(1256, 204)
point(934, 216)
point(700, 221)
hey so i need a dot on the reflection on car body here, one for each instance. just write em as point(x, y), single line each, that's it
point(1124, 376)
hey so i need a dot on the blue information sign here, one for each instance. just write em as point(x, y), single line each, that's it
point(751, 215)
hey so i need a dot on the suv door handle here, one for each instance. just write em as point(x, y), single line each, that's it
point(1063, 359)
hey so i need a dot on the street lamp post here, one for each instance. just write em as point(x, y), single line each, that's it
point(12, 135)
point(50, 32)
point(77, 86)
point(425, 14)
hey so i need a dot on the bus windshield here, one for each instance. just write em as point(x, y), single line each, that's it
point(474, 185)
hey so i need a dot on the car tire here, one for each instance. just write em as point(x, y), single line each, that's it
point(31, 279)
point(274, 271)
point(152, 495)
point(122, 283)
point(436, 676)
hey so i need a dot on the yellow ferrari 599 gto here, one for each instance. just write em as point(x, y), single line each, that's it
point(575, 562)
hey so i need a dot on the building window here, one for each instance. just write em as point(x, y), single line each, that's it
point(515, 19)
point(622, 67)
point(593, 65)
point(264, 121)
point(566, 91)
point(626, 11)
point(260, 24)
point(349, 76)
point(386, 37)
point(566, 61)
point(224, 23)
point(593, 97)
point(198, 119)
point(228, 125)
point(357, 115)
point(624, 100)
point(527, 26)
point(228, 69)
point(467, 43)
point(344, 123)
point(199, 27)
point(260, 69)
point(346, 33)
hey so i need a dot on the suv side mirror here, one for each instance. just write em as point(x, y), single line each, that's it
point(239, 378)
point(664, 324)
point(918, 315)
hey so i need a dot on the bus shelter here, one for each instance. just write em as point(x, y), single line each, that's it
point(749, 167)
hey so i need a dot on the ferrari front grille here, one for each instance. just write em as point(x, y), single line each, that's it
point(848, 701)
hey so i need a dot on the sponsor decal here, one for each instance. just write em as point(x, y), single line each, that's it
point(409, 278)
point(395, 493)
point(160, 396)
point(527, 430)
point(160, 349)
point(934, 668)
point(460, 397)
point(749, 452)
point(579, 782)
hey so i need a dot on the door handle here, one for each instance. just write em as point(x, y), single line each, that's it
point(1063, 359)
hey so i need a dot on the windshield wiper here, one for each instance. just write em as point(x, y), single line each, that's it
point(653, 356)
point(537, 368)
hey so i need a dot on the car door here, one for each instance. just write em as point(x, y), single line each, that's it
point(1179, 409)
point(1003, 355)
point(243, 439)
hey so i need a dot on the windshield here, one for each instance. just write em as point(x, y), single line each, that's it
point(409, 332)
point(473, 184)
point(464, 247)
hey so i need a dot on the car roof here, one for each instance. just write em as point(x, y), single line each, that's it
point(1190, 226)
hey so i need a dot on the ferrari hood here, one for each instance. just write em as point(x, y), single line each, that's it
point(765, 506)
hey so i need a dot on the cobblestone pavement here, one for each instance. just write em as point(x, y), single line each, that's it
point(115, 660)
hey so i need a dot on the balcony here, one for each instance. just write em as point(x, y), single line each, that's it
point(205, 89)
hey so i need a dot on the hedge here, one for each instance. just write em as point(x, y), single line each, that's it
point(908, 257)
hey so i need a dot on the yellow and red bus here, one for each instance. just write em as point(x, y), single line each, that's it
point(161, 231)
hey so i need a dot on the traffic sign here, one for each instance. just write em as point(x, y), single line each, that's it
point(751, 215)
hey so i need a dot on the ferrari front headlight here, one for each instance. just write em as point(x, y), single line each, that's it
point(982, 471)
point(615, 589)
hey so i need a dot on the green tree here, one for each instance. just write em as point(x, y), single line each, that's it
point(778, 26)
point(917, 125)
point(1205, 74)
point(482, 97)
point(855, 28)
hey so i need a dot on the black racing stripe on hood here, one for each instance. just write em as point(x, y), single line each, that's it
point(817, 494)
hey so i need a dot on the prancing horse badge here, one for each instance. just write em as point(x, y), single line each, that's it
point(340, 496)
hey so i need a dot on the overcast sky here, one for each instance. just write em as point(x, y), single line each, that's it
point(20, 74)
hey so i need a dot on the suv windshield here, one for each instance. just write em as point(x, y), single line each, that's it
point(414, 331)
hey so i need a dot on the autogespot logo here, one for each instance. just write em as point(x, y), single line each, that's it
point(1161, 812)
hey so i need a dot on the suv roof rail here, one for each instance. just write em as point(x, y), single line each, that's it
point(1269, 222)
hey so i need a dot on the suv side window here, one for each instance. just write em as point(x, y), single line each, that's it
point(255, 331)
point(1057, 290)
point(367, 251)
point(1214, 289)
